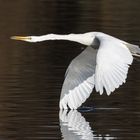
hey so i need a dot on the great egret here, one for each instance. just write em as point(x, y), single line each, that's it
point(103, 64)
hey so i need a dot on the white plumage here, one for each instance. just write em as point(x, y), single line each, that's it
point(78, 95)
point(103, 64)
point(113, 60)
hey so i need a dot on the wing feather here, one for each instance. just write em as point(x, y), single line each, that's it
point(79, 80)
point(106, 69)
point(113, 60)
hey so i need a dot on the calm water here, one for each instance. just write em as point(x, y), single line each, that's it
point(31, 75)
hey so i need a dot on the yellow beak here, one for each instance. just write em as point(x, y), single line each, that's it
point(22, 38)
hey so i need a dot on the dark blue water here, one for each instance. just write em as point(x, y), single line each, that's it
point(31, 75)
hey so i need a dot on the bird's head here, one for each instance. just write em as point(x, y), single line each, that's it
point(86, 38)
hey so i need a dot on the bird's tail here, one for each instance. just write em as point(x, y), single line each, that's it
point(134, 49)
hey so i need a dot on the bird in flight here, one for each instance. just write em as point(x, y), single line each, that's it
point(103, 65)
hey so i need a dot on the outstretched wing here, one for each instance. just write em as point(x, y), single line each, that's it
point(113, 60)
point(106, 69)
point(79, 80)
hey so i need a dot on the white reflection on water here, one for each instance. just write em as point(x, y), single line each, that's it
point(75, 127)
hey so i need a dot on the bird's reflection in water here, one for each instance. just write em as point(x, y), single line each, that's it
point(74, 127)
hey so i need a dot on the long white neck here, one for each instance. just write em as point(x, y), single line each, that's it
point(80, 38)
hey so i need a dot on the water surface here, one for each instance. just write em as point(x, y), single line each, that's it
point(31, 75)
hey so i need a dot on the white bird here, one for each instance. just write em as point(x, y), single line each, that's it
point(103, 64)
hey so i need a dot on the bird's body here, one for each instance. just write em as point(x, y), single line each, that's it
point(103, 64)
